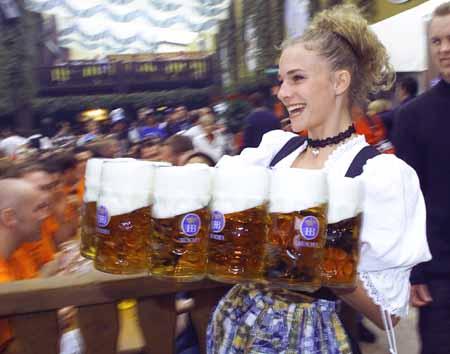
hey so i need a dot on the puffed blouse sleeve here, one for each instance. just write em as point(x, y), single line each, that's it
point(262, 155)
point(393, 233)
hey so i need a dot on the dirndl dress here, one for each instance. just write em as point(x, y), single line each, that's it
point(254, 319)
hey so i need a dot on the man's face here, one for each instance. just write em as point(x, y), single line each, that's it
point(43, 181)
point(30, 214)
point(166, 154)
point(150, 153)
point(440, 45)
point(91, 127)
point(150, 120)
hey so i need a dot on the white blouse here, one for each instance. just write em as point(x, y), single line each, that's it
point(393, 233)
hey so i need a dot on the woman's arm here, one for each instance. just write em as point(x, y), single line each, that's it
point(358, 299)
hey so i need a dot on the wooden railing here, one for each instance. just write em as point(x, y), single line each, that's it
point(125, 77)
point(31, 307)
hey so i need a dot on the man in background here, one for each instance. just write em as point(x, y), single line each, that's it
point(260, 121)
point(23, 208)
point(421, 138)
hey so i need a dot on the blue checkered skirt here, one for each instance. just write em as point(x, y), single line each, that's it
point(253, 319)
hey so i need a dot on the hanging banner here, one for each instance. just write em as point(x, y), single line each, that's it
point(251, 44)
point(296, 17)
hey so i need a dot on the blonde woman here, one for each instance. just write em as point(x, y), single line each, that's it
point(330, 68)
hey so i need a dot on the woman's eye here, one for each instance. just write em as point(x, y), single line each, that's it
point(297, 78)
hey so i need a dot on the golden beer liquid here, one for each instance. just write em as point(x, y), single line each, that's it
point(177, 252)
point(341, 253)
point(291, 260)
point(88, 230)
point(121, 245)
point(236, 252)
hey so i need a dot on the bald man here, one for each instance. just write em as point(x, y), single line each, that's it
point(58, 228)
point(22, 210)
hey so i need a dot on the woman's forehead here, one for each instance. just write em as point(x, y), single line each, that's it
point(298, 58)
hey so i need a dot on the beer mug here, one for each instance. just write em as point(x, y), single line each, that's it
point(180, 222)
point(123, 216)
point(239, 223)
point(89, 209)
point(298, 209)
point(344, 224)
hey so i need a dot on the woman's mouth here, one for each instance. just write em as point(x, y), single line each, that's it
point(296, 109)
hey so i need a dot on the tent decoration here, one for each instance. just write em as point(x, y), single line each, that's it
point(130, 26)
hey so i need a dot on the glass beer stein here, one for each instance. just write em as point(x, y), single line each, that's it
point(180, 222)
point(341, 251)
point(298, 209)
point(239, 224)
point(89, 209)
point(123, 216)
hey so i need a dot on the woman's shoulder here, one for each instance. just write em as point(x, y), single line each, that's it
point(388, 169)
point(270, 144)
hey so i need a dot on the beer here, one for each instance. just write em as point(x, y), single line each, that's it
point(123, 216)
point(298, 211)
point(122, 241)
point(294, 251)
point(236, 244)
point(180, 222)
point(239, 223)
point(88, 229)
point(178, 246)
point(89, 209)
point(341, 251)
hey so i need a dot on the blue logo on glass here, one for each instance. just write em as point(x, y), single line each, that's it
point(217, 222)
point(102, 216)
point(309, 227)
point(190, 224)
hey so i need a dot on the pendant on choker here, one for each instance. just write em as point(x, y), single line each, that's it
point(315, 152)
point(316, 145)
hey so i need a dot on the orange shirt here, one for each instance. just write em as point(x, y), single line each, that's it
point(19, 266)
point(374, 131)
point(43, 250)
point(5, 331)
point(80, 190)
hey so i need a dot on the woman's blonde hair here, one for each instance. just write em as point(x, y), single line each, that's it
point(342, 36)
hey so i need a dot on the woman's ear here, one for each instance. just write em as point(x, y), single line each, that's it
point(342, 79)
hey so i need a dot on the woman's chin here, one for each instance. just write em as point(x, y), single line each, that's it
point(297, 128)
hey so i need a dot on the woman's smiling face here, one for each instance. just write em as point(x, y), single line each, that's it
point(306, 87)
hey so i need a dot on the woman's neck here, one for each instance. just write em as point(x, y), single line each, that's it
point(331, 127)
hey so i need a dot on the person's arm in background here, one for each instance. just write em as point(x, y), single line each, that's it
point(409, 148)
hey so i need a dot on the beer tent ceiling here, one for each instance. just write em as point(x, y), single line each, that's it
point(98, 27)
point(405, 37)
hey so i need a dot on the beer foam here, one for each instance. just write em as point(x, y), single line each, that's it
point(126, 186)
point(295, 189)
point(158, 163)
point(345, 198)
point(238, 188)
point(181, 189)
point(92, 177)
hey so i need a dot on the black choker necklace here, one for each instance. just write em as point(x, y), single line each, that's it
point(316, 144)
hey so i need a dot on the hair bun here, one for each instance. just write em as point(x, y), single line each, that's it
point(344, 26)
